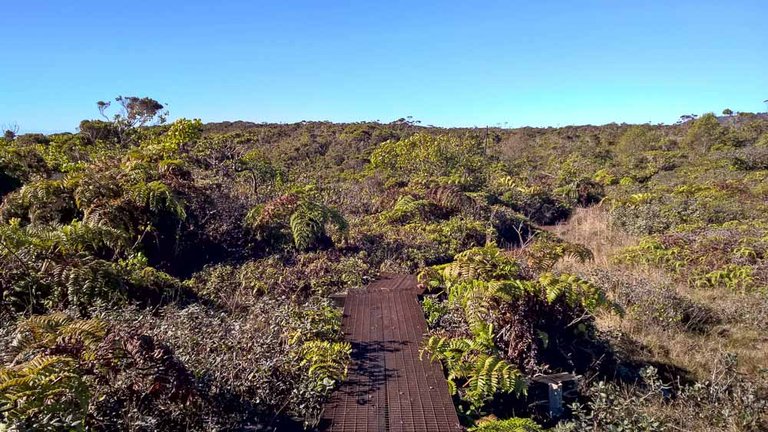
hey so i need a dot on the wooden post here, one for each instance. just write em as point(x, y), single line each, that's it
point(558, 387)
point(555, 399)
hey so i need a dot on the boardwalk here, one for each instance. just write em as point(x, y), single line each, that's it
point(389, 388)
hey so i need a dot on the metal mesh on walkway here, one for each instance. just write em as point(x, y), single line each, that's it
point(389, 388)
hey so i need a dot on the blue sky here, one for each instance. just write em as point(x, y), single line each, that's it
point(448, 63)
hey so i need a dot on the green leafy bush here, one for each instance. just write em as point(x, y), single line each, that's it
point(656, 406)
point(425, 158)
point(508, 425)
point(706, 133)
point(752, 158)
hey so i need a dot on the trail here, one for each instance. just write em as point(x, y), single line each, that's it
point(389, 388)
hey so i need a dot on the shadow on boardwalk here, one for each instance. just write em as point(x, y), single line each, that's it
point(369, 375)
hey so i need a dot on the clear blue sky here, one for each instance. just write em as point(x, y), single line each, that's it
point(446, 63)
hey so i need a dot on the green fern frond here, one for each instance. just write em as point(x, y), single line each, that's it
point(492, 375)
point(157, 196)
point(575, 292)
point(305, 227)
point(482, 263)
point(405, 209)
point(299, 213)
point(326, 361)
point(46, 388)
point(41, 332)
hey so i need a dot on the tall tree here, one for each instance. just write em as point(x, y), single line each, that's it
point(133, 113)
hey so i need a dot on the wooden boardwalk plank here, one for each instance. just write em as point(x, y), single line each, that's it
point(389, 388)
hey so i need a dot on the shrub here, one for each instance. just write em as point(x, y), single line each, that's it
point(537, 205)
point(706, 133)
point(63, 373)
point(654, 303)
point(638, 139)
point(751, 158)
point(508, 425)
point(310, 274)
point(430, 159)
point(454, 235)
point(274, 359)
point(434, 309)
point(728, 255)
point(655, 406)
point(511, 228)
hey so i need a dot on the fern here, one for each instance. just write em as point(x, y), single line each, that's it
point(405, 209)
point(504, 182)
point(482, 263)
point(301, 214)
point(478, 283)
point(491, 375)
point(544, 253)
point(308, 223)
point(157, 196)
point(78, 237)
point(306, 227)
point(273, 213)
point(40, 333)
point(575, 291)
point(53, 267)
point(450, 198)
point(43, 392)
point(472, 363)
point(326, 362)
point(40, 390)
point(42, 201)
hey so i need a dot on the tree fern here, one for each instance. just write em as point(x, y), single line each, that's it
point(473, 370)
point(304, 216)
point(156, 196)
point(575, 291)
point(406, 208)
point(326, 362)
point(43, 392)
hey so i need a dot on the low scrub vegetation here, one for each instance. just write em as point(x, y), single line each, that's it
point(179, 276)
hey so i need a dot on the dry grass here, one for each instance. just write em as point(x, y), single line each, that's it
point(741, 316)
point(592, 227)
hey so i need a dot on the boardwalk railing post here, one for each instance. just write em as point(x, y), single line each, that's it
point(555, 399)
point(559, 387)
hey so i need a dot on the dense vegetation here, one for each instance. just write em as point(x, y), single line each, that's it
point(177, 276)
